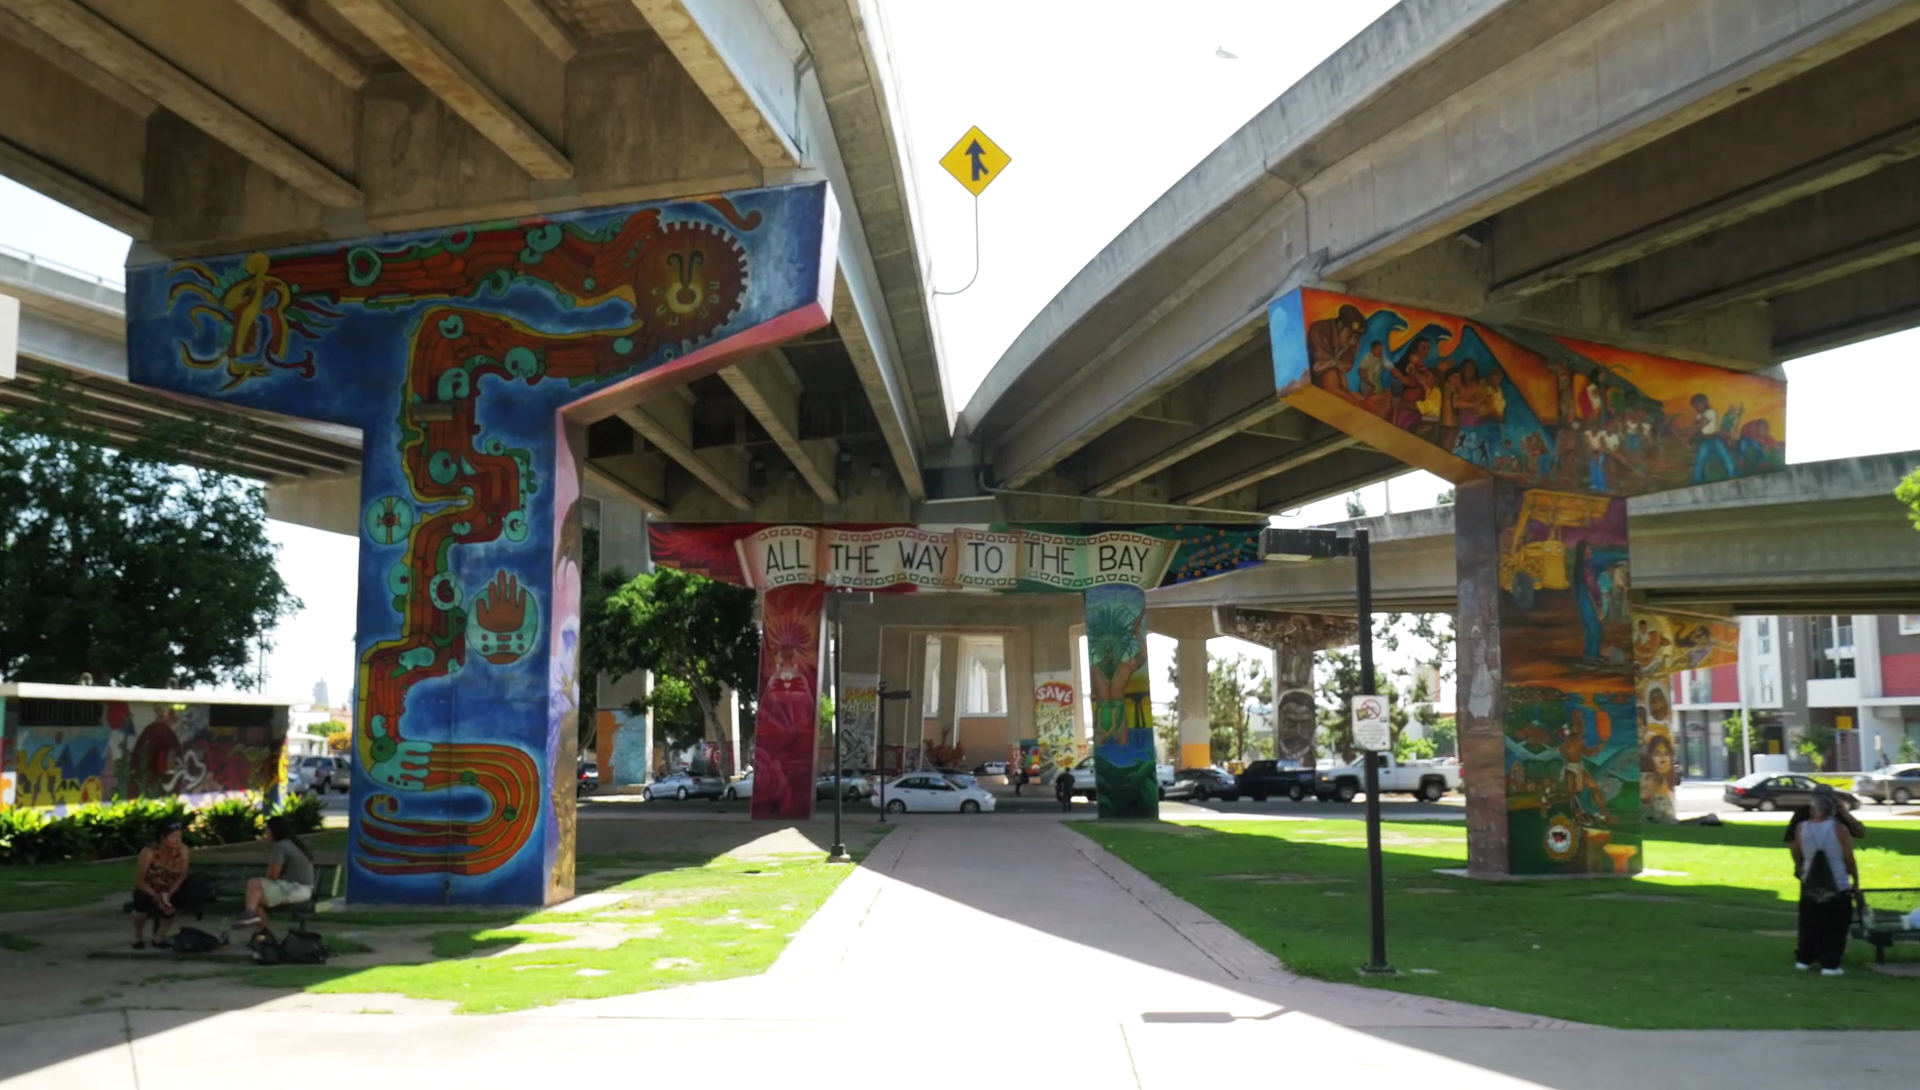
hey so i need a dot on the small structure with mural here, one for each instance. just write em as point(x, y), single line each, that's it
point(63, 746)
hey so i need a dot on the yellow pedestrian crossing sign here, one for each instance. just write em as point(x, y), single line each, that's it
point(975, 161)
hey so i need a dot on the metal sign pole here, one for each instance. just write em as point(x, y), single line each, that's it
point(1376, 891)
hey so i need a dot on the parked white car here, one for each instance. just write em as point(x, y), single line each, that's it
point(741, 788)
point(1427, 780)
point(930, 792)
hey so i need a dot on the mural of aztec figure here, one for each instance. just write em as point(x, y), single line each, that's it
point(785, 720)
point(1545, 437)
point(472, 358)
point(1125, 780)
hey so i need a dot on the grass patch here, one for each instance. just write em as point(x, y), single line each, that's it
point(72, 885)
point(688, 924)
point(19, 944)
point(458, 944)
point(337, 945)
point(1698, 951)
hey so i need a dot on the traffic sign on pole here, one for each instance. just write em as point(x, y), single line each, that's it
point(1371, 730)
point(975, 161)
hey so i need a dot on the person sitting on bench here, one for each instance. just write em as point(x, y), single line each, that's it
point(289, 879)
point(157, 876)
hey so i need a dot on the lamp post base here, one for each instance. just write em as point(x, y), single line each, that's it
point(838, 854)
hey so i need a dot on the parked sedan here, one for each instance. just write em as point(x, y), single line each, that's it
point(1898, 784)
point(682, 786)
point(1201, 784)
point(1772, 791)
point(991, 768)
point(851, 785)
point(933, 793)
point(741, 788)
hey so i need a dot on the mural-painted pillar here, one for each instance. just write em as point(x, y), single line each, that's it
point(1663, 645)
point(1544, 438)
point(1196, 735)
point(1294, 639)
point(856, 711)
point(1125, 779)
point(786, 725)
point(471, 359)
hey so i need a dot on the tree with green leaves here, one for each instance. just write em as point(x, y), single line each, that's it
point(1231, 684)
point(696, 635)
point(1908, 492)
point(126, 564)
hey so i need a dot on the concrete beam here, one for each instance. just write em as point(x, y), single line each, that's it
point(766, 385)
point(1245, 461)
point(49, 49)
point(888, 396)
point(73, 191)
point(105, 46)
point(544, 27)
point(617, 478)
point(402, 37)
point(1867, 222)
point(1868, 304)
point(312, 44)
point(323, 503)
point(743, 56)
point(1334, 475)
point(1234, 396)
point(1832, 125)
point(667, 423)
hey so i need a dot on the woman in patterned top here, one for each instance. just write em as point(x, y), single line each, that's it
point(157, 875)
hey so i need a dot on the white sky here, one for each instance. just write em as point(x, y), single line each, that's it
point(1100, 117)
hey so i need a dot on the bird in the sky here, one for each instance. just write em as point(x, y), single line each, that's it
point(1221, 52)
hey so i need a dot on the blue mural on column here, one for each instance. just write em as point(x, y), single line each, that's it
point(470, 358)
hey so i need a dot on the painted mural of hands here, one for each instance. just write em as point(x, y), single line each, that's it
point(406, 769)
point(504, 607)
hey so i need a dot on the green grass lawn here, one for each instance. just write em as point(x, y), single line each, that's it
point(1710, 950)
point(688, 922)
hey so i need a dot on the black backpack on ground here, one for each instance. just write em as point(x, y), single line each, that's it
point(195, 893)
point(192, 940)
point(298, 948)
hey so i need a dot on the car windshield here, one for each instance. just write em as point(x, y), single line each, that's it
point(1749, 781)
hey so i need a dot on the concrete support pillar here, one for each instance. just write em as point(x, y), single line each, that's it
point(787, 724)
point(1076, 651)
point(856, 708)
point(727, 710)
point(1190, 665)
point(949, 703)
point(1054, 696)
point(1549, 735)
point(894, 721)
point(1126, 782)
point(623, 738)
point(1293, 639)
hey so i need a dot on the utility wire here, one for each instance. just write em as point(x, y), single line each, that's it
point(976, 250)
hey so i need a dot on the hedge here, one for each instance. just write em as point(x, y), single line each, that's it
point(116, 829)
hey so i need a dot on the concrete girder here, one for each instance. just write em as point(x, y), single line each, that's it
point(314, 45)
point(1229, 398)
point(323, 503)
point(49, 49)
point(1332, 475)
point(1837, 123)
point(1834, 233)
point(744, 57)
point(884, 392)
point(667, 422)
point(1246, 460)
point(544, 27)
point(1870, 303)
point(72, 190)
point(618, 474)
point(766, 385)
point(106, 46)
point(422, 54)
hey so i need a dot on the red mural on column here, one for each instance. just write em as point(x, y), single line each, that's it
point(787, 719)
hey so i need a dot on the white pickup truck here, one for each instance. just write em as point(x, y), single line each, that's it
point(1427, 780)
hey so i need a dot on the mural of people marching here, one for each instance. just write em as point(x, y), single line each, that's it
point(471, 359)
point(1545, 437)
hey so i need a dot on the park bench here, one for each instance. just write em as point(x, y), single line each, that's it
point(1880, 916)
point(230, 888)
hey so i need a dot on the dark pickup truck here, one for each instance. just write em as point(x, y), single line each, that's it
point(1263, 779)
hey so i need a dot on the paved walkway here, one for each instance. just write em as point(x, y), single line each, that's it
point(964, 951)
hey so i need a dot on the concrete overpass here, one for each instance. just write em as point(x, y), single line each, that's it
point(1822, 537)
point(1727, 183)
point(216, 126)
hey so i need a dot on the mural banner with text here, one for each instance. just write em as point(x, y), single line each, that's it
point(982, 558)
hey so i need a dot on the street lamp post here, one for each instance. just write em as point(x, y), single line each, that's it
point(1325, 544)
point(838, 853)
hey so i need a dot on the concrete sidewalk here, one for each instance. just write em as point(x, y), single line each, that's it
point(965, 950)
